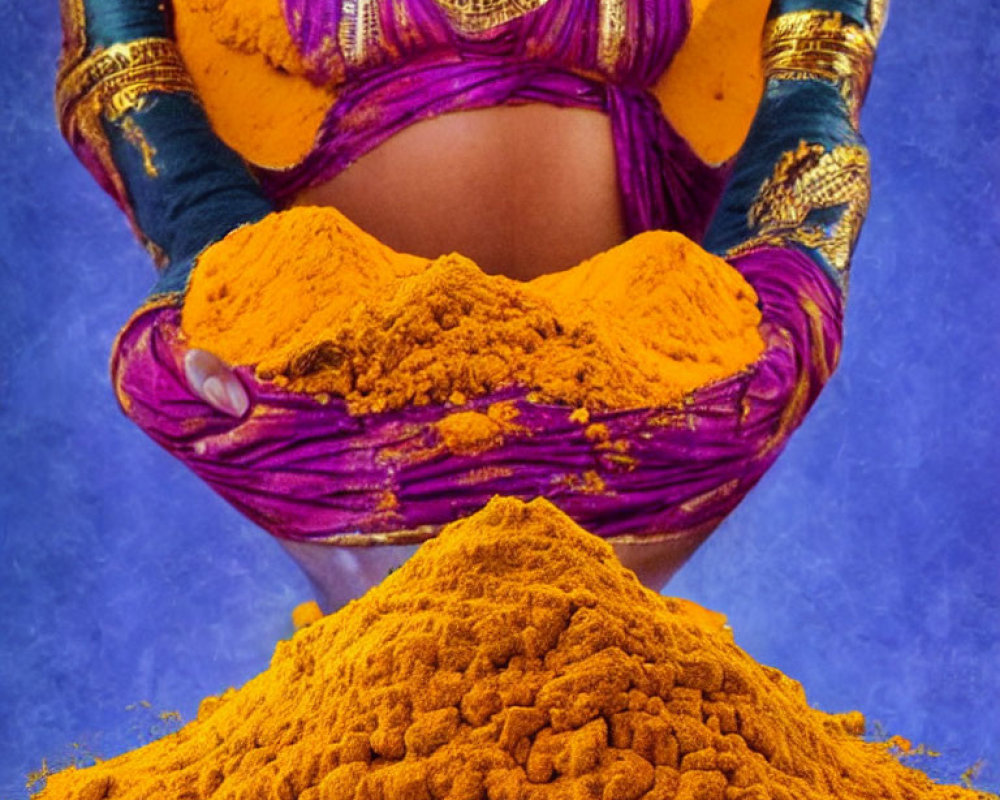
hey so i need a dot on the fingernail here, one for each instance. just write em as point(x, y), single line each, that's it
point(215, 393)
point(238, 399)
point(194, 370)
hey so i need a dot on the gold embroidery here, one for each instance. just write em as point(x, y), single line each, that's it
point(74, 24)
point(878, 13)
point(108, 84)
point(116, 80)
point(612, 41)
point(806, 45)
point(805, 181)
point(360, 31)
point(478, 16)
point(135, 136)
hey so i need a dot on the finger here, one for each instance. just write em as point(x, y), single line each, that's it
point(214, 382)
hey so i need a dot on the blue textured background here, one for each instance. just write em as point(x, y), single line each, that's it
point(866, 564)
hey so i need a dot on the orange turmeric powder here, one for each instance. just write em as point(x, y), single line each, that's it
point(320, 306)
point(252, 78)
point(512, 658)
point(711, 91)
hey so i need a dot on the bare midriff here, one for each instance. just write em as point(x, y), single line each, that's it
point(521, 190)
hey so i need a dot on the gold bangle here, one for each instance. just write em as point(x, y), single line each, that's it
point(809, 45)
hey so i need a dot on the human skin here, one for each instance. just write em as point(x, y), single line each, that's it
point(522, 190)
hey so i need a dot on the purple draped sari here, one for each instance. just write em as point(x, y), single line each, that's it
point(309, 471)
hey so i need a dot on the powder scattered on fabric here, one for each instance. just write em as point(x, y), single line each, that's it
point(511, 658)
point(319, 306)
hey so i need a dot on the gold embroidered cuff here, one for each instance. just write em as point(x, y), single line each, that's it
point(106, 85)
point(116, 79)
point(804, 45)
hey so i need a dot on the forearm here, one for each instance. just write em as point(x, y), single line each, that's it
point(802, 177)
point(128, 108)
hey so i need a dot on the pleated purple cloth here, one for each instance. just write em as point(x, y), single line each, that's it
point(423, 58)
point(309, 471)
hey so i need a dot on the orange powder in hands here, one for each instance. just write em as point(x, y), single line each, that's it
point(511, 658)
point(320, 306)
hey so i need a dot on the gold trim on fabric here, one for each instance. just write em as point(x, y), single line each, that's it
point(406, 536)
point(478, 16)
point(359, 32)
point(116, 79)
point(878, 15)
point(425, 532)
point(108, 84)
point(135, 136)
point(808, 179)
point(612, 20)
point(74, 25)
point(805, 45)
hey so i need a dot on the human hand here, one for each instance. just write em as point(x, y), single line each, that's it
point(213, 380)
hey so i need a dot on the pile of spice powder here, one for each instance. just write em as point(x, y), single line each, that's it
point(511, 658)
point(317, 305)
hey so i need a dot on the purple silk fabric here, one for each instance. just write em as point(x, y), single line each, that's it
point(553, 55)
point(345, 45)
point(309, 471)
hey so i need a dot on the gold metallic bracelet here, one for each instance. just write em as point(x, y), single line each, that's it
point(804, 45)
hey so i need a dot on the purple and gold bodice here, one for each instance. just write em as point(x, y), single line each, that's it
point(396, 62)
point(624, 42)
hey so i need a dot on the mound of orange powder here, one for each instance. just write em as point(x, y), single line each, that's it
point(512, 658)
point(320, 306)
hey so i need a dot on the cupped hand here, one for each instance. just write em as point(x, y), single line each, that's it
point(213, 381)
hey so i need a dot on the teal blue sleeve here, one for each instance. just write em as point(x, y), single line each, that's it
point(801, 178)
point(184, 188)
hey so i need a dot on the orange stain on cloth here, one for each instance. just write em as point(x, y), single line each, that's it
point(511, 658)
